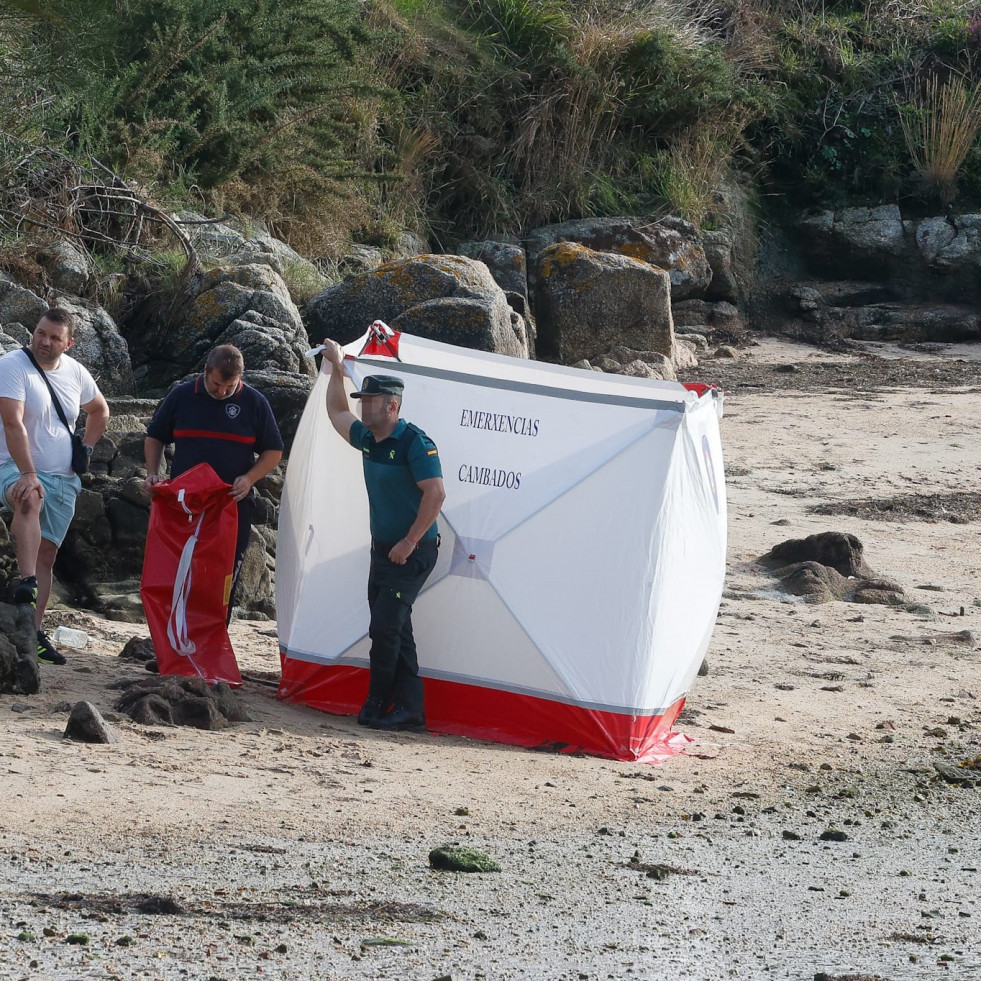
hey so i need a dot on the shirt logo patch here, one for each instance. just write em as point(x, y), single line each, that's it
point(232, 410)
point(432, 452)
point(391, 454)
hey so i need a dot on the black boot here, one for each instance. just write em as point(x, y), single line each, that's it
point(370, 711)
point(402, 718)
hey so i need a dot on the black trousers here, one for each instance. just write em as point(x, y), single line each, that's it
point(392, 589)
point(246, 510)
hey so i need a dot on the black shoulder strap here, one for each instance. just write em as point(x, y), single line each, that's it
point(54, 398)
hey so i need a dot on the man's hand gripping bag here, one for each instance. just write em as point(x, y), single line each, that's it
point(187, 575)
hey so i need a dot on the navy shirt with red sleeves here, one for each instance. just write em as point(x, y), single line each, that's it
point(226, 433)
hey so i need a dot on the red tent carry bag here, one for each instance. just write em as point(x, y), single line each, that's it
point(187, 575)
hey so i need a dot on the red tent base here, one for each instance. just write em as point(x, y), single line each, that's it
point(499, 716)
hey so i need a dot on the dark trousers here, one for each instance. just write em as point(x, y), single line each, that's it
point(392, 589)
point(246, 509)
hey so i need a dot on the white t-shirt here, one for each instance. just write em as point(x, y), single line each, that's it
point(47, 435)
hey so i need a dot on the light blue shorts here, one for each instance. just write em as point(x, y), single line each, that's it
point(58, 508)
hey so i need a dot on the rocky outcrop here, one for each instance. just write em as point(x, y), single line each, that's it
point(446, 298)
point(359, 259)
point(939, 255)
point(589, 301)
point(855, 239)
point(248, 305)
point(19, 304)
point(98, 342)
point(671, 244)
point(223, 242)
point(19, 671)
point(720, 251)
point(507, 263)
point(827, 312)
point(871, 274)
point(67, 266)
point(99, 346)
point(613, 307)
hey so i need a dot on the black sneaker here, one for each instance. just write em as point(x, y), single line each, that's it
point(26, 592)
point(47, 652)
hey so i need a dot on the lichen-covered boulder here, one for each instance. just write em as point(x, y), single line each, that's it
point(588, 301)
point(222, 241)
point(669, 243)
point(303, 277)
point(402, 293)
point(409, 243)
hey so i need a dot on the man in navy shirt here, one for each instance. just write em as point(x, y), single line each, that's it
point(404, 481)
point(219, 420)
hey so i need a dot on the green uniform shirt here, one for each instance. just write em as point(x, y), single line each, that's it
point(392, 471)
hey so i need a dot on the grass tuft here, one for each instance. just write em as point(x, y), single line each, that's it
point(940, 126)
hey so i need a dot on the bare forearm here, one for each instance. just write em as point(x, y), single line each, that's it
point(19, 448)
point(429, 508)
point(96, 421)
point(265, 464)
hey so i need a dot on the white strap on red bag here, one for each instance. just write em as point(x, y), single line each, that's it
point(177, 630)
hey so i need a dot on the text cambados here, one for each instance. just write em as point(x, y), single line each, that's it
point(498, 423)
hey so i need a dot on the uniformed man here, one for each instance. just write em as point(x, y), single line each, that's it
point(404, 481)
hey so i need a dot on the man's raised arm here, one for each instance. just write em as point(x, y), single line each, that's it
point(338, 407)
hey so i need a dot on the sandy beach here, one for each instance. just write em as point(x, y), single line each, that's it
point(296, 846)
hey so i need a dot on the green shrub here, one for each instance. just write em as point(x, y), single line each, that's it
point(252, 101)
point(836, 138)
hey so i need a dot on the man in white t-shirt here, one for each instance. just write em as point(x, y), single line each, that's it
point(37, 482)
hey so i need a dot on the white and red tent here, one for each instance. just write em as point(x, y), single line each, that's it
point(582, 558)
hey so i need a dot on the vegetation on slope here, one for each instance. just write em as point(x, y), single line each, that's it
point(338, 119)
